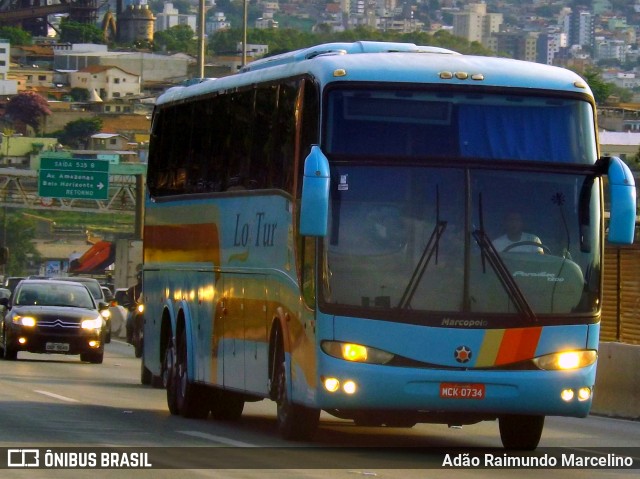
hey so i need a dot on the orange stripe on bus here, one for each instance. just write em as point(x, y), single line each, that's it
point(518, 344)
point(182, 243)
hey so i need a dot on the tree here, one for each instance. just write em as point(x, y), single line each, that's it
point(76, 133)
point(29, 108)
point(601, 89)
point(20, 231)
point(180, 38)
point(76, 32)
point(16, 36)
point(80, 94)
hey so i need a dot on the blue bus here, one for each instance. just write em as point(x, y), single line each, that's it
point(323, 228)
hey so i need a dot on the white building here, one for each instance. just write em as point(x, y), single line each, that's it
point(607, 48)
point(217, 23)
point(266, 22)
point(7, 87)
point(254, 50)
point(475, 24)
point(170, 17)
point(108, 82)
point(626, 80)
point(549, 45)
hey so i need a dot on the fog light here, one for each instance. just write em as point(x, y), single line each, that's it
point(331, 384)
point(22, 340)
point(94, 344)
point(584, 394)
point(567, 394)
point(349, 387)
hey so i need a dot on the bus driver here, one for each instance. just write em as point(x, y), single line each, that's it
point(515, 239)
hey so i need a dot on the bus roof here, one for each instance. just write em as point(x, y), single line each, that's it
point(394, 63)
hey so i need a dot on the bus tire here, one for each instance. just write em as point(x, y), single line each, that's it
point(190, 399)
point(295, 422)
point(225, 405)
point(521, 431)
point(168, 363)
point(145, 374)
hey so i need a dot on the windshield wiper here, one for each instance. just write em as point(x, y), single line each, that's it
point(502, 272)
point(429, 250)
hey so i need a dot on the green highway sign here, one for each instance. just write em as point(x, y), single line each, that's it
point(86, 179)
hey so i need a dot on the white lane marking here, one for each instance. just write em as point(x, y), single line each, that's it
point(220, 439)
point(56, 396)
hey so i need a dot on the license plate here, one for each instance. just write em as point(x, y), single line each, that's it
point(462, 391)
point(57, 347)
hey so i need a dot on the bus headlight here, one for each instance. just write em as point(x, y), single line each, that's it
point(566, 360)
point(356, 352)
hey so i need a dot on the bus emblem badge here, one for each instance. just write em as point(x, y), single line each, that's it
point(462, 354)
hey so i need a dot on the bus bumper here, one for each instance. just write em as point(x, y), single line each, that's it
point(377, 387)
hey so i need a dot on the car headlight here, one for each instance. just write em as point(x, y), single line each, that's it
point(356, 352)
point(27, 321)
point(140, 308)
point(105, 313)
point(566, 360)
point(95, 323)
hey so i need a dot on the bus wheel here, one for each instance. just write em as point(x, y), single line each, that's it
point(168, 364)
point(521, 432)
point(145, 375)
point(295, 422)
point(226, 406)
point(190, 400)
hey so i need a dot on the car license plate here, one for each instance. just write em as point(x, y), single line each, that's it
point(462, 391)
point(57, 347)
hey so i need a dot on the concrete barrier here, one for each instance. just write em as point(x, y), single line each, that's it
point(617, 391)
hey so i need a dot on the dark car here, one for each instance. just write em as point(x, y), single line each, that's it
point(47, 316)
point(98, 294)
point(12, 281)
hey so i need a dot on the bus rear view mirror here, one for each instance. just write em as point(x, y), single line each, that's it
point(622, 192)
point(314, 208)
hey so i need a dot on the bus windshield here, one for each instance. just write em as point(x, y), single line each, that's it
point(415, 123)
point(408, 237)
point(447, 236)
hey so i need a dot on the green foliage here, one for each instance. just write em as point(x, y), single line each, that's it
point(183, 6)
point(20, 231)
point(27, 107)
point(282, 40)
point(80, 94)
point(16, 36)
point(76, 32)
point(180, 38)
point(601, 90)
point(76, 133)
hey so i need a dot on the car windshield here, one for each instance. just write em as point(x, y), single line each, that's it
point(45, 294)
point(94, 286)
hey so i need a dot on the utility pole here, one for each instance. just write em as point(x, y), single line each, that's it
point(201, 24)
point(244, 32)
